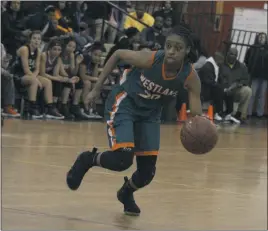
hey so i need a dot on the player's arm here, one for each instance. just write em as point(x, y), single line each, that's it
point(140, 59)
point(193, 86)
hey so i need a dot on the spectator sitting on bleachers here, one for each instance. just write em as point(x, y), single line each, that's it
point(27, 73)
point(257, 62)
point(13, 33)
point(7, 86)
point(201, 55)
point(167, 10)
point(125, 42)
point(63, 14)
point(69, 68)
point(152, 37)
point(52, 31)
point(41, 20)
point(50, 67)
point(89, 72)
point(82, 38)
point(211, 88)
point(235, 78)
point(168, 24)
point(141, 16)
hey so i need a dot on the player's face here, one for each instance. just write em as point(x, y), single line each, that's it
point(35, 40)
point(55, 51)
point(175, 50)
point(71, 46)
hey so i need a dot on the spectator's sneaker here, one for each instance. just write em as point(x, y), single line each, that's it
point(10, 112)
point(232, 119)
point(217, 117)
point(76, 111)
point(90, 114)
point(66, 112)
point(53, 113)
point(35, 114)
point(125, 196)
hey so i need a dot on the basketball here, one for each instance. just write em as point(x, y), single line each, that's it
point(199, 135)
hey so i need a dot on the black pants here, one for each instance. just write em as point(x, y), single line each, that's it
point(217, 97)
point(229, 103)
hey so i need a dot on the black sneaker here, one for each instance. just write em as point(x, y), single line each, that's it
point(66, 112)
point(52, 113)
point(76, 111)
point(80, 167)
point(35, 114)
point(125, 196)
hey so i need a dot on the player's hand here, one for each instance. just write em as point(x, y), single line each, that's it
point(91, 97)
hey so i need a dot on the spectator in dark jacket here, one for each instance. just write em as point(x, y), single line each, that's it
point(125, 42)
point(152, 37)
point(257, 62)
point(41, 20)
point(234, 78)
point(13, 32)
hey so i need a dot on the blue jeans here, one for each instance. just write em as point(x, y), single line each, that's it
point(259, 87)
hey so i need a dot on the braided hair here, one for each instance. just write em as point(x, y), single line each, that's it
point(188, 36)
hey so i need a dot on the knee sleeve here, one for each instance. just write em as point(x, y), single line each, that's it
point(143, 176)
point(118, 160)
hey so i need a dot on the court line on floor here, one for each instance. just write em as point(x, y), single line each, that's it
point(156, 181)
point(35, 213)
point(106, 147)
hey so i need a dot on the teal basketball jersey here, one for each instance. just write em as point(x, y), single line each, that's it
point(150, 88)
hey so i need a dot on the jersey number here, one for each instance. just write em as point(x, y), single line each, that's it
point(149, 95)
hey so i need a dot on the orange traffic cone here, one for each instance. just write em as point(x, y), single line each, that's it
point(210, 113)
point(183, 113)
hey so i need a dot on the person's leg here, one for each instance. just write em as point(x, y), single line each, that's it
point(51, 113)
point(30, 84)
point(147, 140)
point(229, 102)
point(254, 87)
point(217, 96)
point(75, 107)
point(8, 93)
point(242, 96)
point(99, 23)
point(121, 140)
point(261, 101)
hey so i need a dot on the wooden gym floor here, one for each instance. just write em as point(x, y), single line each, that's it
point(225, 189)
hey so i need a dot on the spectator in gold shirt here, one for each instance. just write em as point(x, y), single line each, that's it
point(141, 16)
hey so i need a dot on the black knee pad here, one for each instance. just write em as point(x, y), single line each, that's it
point(123, 158)
point(144, 176)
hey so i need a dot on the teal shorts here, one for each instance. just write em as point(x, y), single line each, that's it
point(131, 126)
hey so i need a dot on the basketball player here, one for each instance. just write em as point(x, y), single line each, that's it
point(133, 112)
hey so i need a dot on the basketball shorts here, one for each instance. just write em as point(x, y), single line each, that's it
point(126, 127)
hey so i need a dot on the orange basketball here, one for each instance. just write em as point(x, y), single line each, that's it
point(199, 135)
